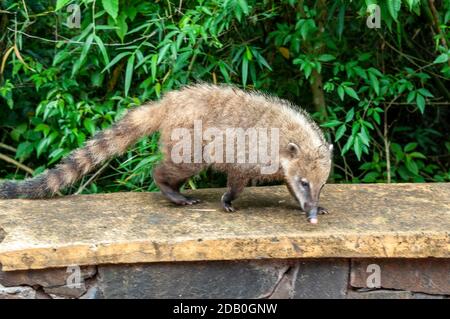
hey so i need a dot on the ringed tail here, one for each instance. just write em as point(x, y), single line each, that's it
point(137, 123)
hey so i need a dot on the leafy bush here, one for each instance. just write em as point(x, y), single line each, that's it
point(381, 94)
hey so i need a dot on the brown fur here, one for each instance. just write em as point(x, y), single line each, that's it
point(221, 107)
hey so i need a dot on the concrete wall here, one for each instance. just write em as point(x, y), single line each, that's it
point(301, 278)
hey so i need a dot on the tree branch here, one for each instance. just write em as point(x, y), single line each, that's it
point(16, 163)
point(7, 147)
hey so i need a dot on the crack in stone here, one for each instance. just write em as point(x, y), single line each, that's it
point(2, 234)
point(286, 282)
point(362, 290)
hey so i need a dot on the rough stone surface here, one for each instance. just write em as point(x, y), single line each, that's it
point(285, 287)
point(403, 220)
point(17, 293)
point(190, 280)
point(47, 278)
point(2, 234)
point(92, 293)
point(379, 294)
point(389, 294)
point(322, 279)
point(66, 291)
point(273, 279)
point(429, 275)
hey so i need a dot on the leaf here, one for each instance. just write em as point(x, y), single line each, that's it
point(447, 145)
point(394, 7)
point(24, 150)
point(351, 92)
point(162, 53)
point(371, 177)
point(87, 46)
point(89, 125)
point(397, 150)
point(411, 4)
point(43, 128)
point(411, 97)
point(340, 91)
point(129, 74)
point(153, 67)
point(43, 144)
point(441, 58)
point(57, 154)
point(340, 132)
point(116, 59)
point(244, 6)
point(417, 155)
point(348, 145)
point(248, 53)
point(410, 146)
point(331, 123)
point(244, 71)
point(357, 147)
point(284, 52)
point(350, 115)
point(374, 83)
point(111, 7)
point(308, 69)
point(412, 166)
point(376, 117)
point(425, 92)
point(61, 3)
point(326, 57)
point(122, 26)
point(261, 60)
point(102, 48)
point(365, 139)
point(341, 20)
point(420, 100)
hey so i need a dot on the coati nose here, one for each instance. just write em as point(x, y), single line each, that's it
point(312, 214)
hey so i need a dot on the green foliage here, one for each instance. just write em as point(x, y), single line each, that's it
point(385, 89)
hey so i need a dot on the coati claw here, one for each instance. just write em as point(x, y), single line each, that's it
point(228, 208)
point(186, 201)
point(191, 201)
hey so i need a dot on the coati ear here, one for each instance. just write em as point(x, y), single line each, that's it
point(330, 147)
point(293, 149)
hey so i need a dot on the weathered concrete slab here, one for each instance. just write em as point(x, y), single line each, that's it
point(322, 279)
point(241, 279)
point(403, 220)
point(431, 276)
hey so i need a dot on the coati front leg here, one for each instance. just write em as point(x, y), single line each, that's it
point(169, 179)
point(235, 186)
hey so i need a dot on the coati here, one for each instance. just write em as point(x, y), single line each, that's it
point(304, 158)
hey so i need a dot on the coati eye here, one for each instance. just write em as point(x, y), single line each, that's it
point(304, 183)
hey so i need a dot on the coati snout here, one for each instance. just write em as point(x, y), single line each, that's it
point(306, 173)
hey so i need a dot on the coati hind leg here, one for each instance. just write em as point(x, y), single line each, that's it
point(235, 187)
point(169, 179)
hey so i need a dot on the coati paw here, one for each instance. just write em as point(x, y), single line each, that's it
point(192, 201)
point(322, 211)
point(188, 201)
point(228, 208)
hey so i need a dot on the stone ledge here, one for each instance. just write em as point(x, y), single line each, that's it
point(396, 220)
